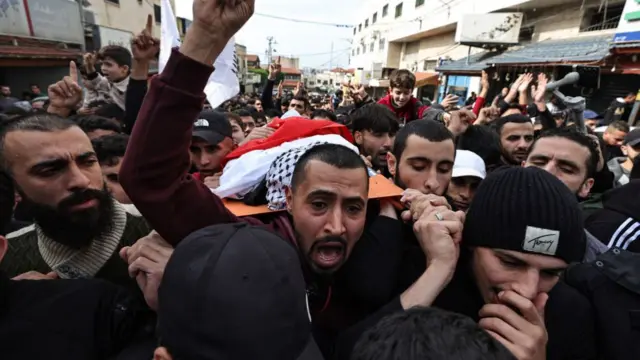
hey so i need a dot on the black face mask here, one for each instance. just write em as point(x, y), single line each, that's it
point(78, 228)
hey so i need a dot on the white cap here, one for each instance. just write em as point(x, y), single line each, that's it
point(468, 163)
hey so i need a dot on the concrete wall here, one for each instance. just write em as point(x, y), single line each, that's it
point(129, 15)
point(431, 15)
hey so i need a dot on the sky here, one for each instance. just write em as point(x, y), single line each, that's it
point(310, 42)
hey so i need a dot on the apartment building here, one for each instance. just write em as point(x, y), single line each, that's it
point(420, 36)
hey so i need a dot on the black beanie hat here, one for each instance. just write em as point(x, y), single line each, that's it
point(526, 210)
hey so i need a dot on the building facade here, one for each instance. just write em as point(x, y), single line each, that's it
point(421, 36)
point(38, 38)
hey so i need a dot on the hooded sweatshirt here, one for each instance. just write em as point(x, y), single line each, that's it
point(412, 110)
point(620, 174)
point(617, 224)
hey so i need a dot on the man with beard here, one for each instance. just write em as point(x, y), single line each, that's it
point(79, 227)
point(374, 128)
point(572, 157)
point(516, 135)
point(326, 201)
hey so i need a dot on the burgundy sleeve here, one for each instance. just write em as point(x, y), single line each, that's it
point(155, 169)
point(477, 106)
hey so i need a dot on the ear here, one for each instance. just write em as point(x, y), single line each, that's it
point(126, 68)
point(624, 150)
point(358, 137)
point(4, 244)
point(524, 163)
point(390, 91)
point(585, 189)
point(391, 164)
point(289, 198)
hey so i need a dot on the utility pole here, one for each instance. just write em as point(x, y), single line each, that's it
point(270, 49)
point(331, 58)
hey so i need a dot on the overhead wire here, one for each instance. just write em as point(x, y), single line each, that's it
point(304, 21)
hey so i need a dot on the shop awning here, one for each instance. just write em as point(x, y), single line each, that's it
point(588, 49)
point(426, 78)
point(473, 64)
point(27, 52)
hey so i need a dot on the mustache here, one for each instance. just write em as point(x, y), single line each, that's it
point(328, 240)
point(79, 197)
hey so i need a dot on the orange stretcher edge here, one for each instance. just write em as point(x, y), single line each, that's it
point(379, 188)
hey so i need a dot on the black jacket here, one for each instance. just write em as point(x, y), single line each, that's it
point(568, 316)
point(617, 224)
point(69, 319)
point(612, 284)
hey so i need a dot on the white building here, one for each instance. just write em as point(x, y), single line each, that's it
point(420, 35)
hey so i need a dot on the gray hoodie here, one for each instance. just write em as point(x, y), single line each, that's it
point(620, 174)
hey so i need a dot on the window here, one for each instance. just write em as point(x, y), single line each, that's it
point(366, 23)
point(385, 10)
point(398, 10)
point(355, 29)
point(117, 2)
point(419, 3)
point(429, 65)
point(353, 52)
point(595, 20)
point(358, 51)
point(372, 46)
point(381, 44)
point(359, 27)
point(375, 18)
point(157, 13)
point(526, 34)
point(364, 49)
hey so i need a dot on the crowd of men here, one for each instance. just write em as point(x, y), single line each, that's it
point(514, 236)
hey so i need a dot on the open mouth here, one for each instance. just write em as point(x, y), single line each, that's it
point(328, 255)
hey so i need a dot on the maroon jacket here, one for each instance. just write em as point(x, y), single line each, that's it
point(155, 169)
point(155, 175)
point(413, 110)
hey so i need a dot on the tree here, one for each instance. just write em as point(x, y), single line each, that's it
point(264, 74)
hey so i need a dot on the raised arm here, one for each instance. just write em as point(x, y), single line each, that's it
point(154, 172)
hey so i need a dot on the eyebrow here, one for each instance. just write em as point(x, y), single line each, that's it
point(60, 161)
point(515, 259)
point(329, 194)
point(560, 161)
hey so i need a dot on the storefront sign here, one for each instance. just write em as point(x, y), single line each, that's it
point(13, 18)
point(629, 26)
point(57, 20)
point(110, 36)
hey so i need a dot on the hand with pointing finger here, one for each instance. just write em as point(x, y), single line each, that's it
point(66, 94)
point(144, 47)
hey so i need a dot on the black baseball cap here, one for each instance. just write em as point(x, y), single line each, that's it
point(235, 291)
point(212, 126)
point(632, 138)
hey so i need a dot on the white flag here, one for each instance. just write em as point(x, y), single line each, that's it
point(223, 83)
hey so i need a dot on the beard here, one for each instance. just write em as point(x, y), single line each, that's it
point(324, 275)
point(396, 179)
point(76, 229)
